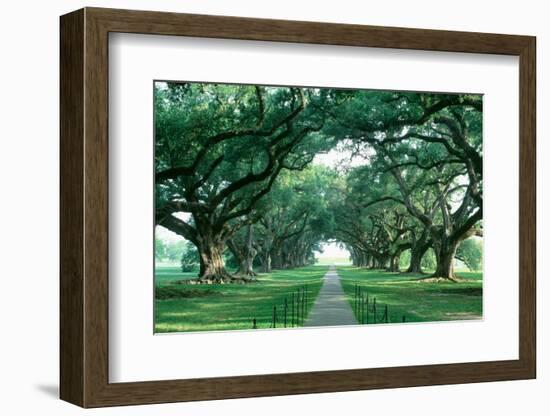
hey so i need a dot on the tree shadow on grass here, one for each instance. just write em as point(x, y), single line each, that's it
point(465, 291)
point(174, 292)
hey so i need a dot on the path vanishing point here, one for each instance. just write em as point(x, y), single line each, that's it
point(331, 307)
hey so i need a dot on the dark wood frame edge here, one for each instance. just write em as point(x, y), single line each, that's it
point(84, 207)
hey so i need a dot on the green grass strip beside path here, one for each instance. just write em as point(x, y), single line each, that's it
point(417, 301)
point(183, 308)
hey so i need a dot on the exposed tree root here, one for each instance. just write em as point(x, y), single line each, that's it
point(248, 273)
point(220, 279)
point(440, 279)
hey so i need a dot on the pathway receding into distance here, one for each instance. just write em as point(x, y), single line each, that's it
point(331, 307)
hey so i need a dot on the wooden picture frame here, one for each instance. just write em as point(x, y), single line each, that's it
point(84, 207)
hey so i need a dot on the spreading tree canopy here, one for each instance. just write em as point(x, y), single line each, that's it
point(247, 169)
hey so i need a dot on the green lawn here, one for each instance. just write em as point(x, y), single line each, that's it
point(333, 260)
point(182, 308)
point(418, 301)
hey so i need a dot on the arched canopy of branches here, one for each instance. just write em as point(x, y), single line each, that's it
point(268, 173)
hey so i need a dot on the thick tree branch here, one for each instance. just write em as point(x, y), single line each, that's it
point(257, 131)
point(180, 227)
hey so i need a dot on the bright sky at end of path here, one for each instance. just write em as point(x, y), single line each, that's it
point(332, 250)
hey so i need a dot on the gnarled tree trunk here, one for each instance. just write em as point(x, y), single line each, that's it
point(211, 246)
point(266, 248)
point(365, 259)
point(393, 266)
point(381, 261)
point(212, 266)
point(250, 252)
point(445, 253)
point(267, 263)
point(417, 252)
point(244, 256)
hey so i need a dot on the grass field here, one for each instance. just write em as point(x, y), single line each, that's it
point(333, 260)
point(417, 301)
point(181, 308)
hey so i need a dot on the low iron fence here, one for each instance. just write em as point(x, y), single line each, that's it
point(292, 312)
point(367, 311)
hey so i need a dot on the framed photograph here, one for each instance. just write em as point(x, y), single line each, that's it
point(255, 207)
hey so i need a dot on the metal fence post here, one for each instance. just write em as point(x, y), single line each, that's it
point(305, 302)
point(362, 309)
point(355, 299)
point(298, 308)
point(292, 310)
point(303, 305)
